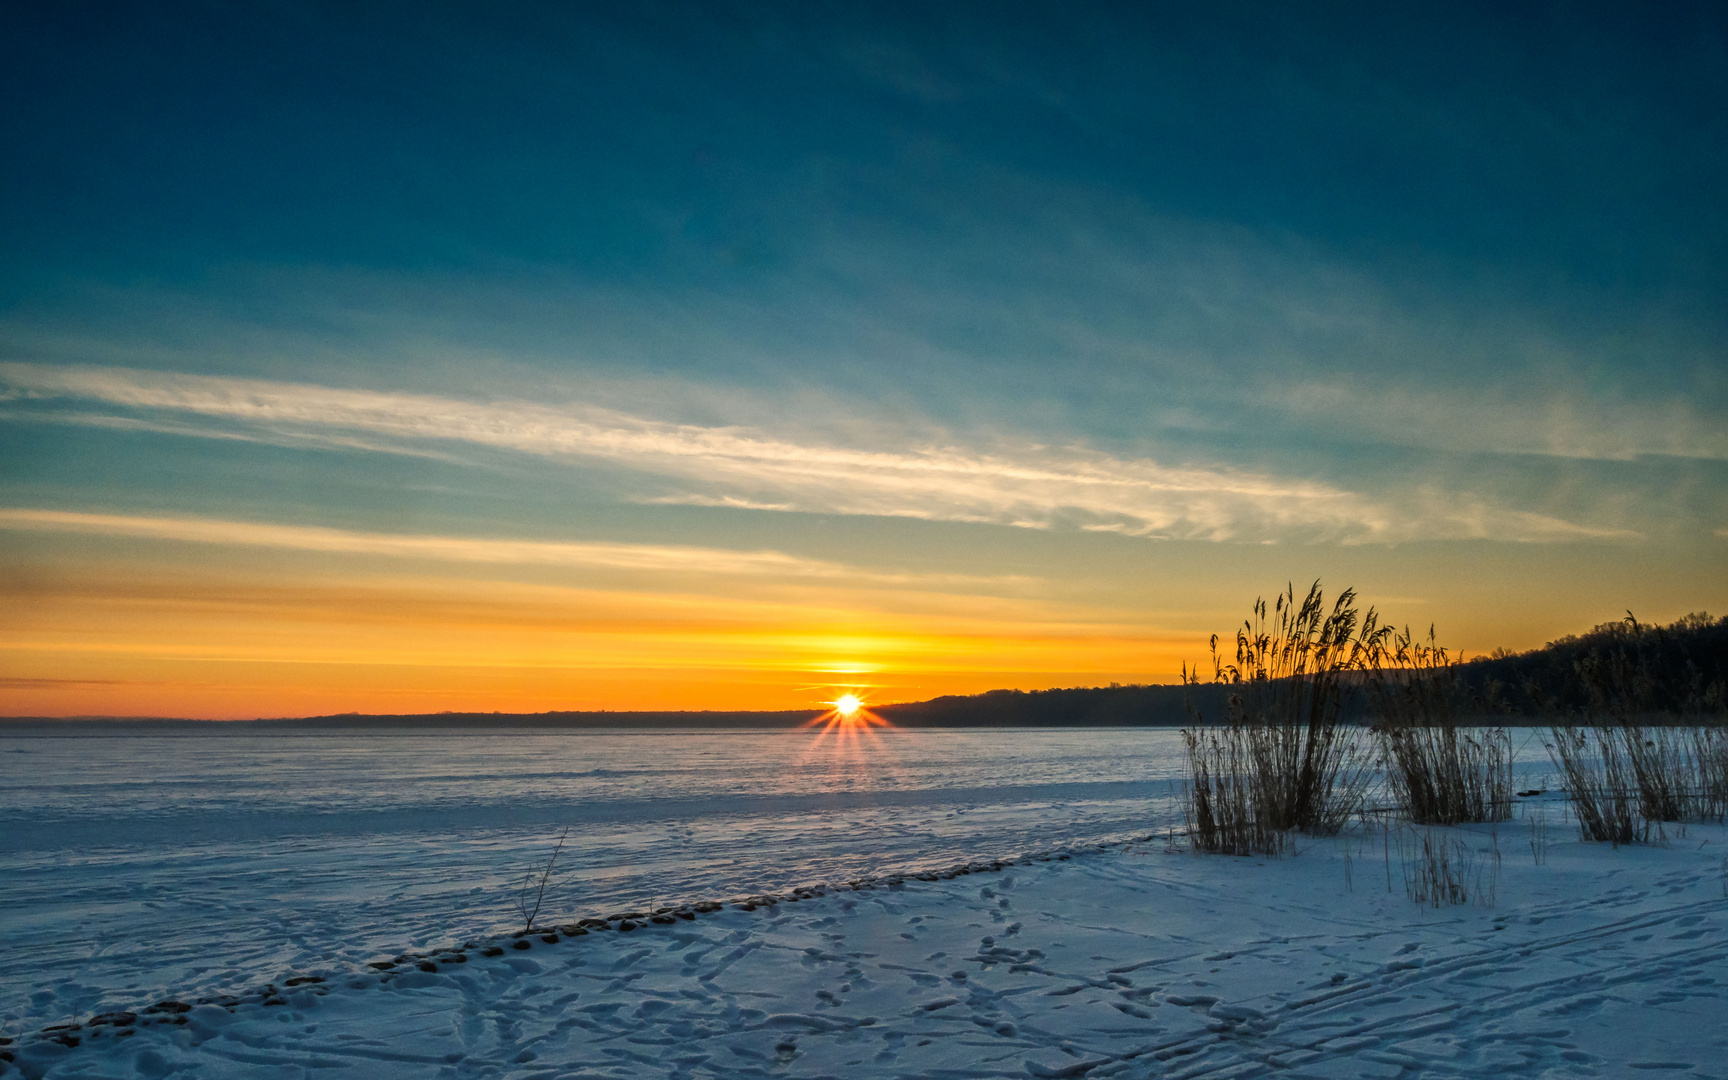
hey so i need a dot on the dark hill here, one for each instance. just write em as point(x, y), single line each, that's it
point(1617, 669)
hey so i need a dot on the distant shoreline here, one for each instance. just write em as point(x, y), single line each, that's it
point(512, 722)
point(1111, 706)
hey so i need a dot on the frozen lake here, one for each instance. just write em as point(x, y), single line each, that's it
point(137, 866)
point(134, 865)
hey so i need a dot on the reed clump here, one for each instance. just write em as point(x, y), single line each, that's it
point(1624, 777)
point(1598, 779)
point(1439, 772)
point(1710, 752)
point(1441, 870)
point(1630, 765)
point(1284, 759)
point(1664, 771)
point(1222, 813)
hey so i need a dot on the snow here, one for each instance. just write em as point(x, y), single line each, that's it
point(214, 871)
point(147, 866)
point(1135, 960)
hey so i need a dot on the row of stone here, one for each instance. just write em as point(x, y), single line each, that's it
point(122, 1024)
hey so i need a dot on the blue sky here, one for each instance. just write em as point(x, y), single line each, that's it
point(1115, 317)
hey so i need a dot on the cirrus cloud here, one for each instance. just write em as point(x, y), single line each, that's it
point(1032, 486)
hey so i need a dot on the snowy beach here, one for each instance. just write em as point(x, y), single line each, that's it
point(332, 863)
point(143, 866)
point(1133, 961)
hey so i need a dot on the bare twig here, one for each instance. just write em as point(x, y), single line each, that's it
point(531, 894)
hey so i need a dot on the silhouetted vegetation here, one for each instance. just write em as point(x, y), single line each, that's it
point(1617, 670)
point(1284, 759)
point(1440, 773)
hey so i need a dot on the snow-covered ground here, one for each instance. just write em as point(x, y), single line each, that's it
point(142, 865)
point(136, 868)
point(1130, 961)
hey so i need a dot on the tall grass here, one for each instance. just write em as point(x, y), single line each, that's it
point(1623, 777)
point(1440, 773)
point(1599, 778)
point(1223, 810)
point(1443, 870)
point(1283, 759)
point(1710, 752)
point(1663, 770)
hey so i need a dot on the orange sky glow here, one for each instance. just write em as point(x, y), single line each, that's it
point(253, 636)
point(107, 615)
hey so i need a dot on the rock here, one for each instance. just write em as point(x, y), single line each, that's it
point(627, 925)
point(662, 920)
point(302, 980)
point(169, 1007)
point(522, 944)
point(492, 950)
point(424, 965)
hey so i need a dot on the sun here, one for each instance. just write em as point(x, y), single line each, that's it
point(847, 705)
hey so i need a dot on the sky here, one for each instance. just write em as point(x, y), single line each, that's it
point(520, 356)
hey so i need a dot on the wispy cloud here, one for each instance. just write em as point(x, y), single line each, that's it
point(608, 556)
point(1558, 422)
point(1029, 487)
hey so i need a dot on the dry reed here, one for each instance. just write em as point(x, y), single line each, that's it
point(1599, 779)
point(1284, 759)
point(1440, 773)
point(1443, 870)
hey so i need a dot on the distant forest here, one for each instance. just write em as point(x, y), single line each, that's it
point(1623, 668)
